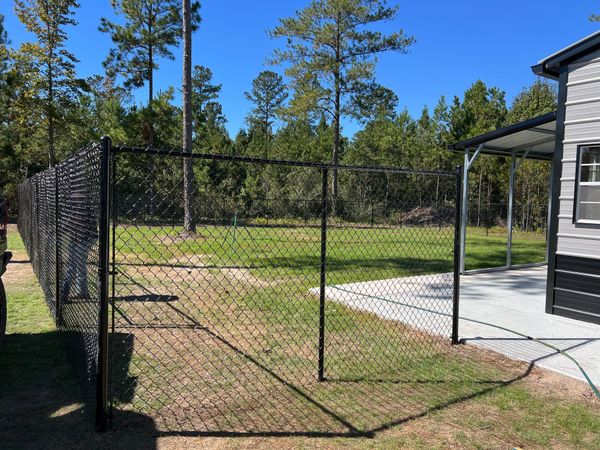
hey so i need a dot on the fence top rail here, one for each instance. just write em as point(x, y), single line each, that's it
point(281, 162)
point(59, 166)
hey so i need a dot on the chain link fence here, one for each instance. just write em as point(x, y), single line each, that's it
point(286, 310)
point(59, 222)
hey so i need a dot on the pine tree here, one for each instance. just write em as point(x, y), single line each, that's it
point(52, 85)
point(151, 29)
point(5, 82)
point(535, 100)
point(268, 95)
point(374, 102)
point(189, 224)
point(482, 109)
point(204, 92)
point(330, 50)
point(531, 186)
point(9, 158)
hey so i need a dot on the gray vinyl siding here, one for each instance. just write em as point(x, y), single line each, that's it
point(582, 126)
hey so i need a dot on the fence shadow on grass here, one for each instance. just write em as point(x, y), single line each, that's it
point(40, 395)
point(41, 401)
point(263, 399)
point(378, 405)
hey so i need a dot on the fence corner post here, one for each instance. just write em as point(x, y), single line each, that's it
point(57, 286)
point(457, 255)
point(323, 284)
point(103, 282)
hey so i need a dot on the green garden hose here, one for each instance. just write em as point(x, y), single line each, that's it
point(558, 350)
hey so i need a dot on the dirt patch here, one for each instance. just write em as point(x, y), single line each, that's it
point(18, 270)
point(245, 276)
point(195, 261)
point(543, 382)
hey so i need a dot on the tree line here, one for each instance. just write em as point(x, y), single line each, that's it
point(323, 73)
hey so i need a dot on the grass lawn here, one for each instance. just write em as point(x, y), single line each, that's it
point(238, 369)
point(488, 248)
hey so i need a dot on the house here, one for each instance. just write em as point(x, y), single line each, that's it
point(570, 140)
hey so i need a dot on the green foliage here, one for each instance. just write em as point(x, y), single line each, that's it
point(267, 96)
point(151, 29)
point(535, 100)
point(9, 168)
point(373, 101)
point(331, 53)
point(482, 109)
point(330, 57)
point(206, 113)
point(49, 85)
point(531, 186)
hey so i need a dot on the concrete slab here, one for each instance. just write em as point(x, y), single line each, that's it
point(491, 304)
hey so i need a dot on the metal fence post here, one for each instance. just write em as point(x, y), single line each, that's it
point(58, 305)
point(103, 274)
point(457, 256)
point(324, 206)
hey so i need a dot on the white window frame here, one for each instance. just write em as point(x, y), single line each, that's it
point(579, 184)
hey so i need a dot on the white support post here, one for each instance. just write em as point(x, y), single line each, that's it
point(514, 167)
point(464, 212)
point(511, 200)
point(465, 204)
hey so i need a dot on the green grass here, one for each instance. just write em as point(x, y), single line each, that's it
point(363, 253)
point(488, 248)
point(441, 398)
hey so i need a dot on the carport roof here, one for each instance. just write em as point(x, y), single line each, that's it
point(534, 137)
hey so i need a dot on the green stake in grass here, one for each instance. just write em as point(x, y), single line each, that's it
point(234, 230)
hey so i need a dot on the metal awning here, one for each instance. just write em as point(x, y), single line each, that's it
point(532, 137)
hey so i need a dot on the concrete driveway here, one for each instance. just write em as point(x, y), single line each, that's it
point(489, 303)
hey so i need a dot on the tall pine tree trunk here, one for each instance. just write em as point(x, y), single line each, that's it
point(50, 113)
point(336, 152)
point(336, 118)
point(150, 129)
point(189, 224)
point(150, 124)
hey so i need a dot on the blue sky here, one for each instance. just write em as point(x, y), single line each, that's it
point(458, 42)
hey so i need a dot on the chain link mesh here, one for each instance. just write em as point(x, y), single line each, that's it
point(58, 212)
point(221, 329)
point(310, 299)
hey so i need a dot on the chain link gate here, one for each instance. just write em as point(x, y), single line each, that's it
point(287, 311)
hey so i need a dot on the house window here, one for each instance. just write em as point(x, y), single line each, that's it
point(588, 195)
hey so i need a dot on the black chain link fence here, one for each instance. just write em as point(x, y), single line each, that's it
point(288, 310)
point(3, 218)
point(58, 220)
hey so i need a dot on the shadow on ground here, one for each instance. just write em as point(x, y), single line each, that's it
point(41, 401)
point(197, 382)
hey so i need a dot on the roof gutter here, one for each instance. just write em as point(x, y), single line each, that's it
point(550, 67)
point(543, 71)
